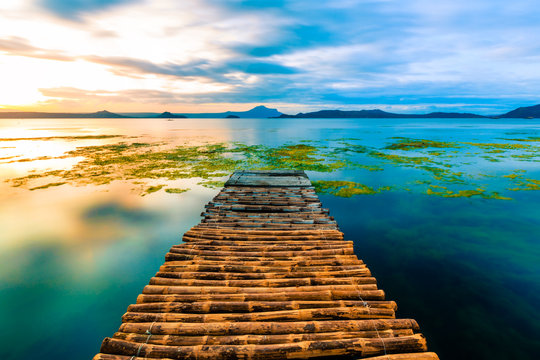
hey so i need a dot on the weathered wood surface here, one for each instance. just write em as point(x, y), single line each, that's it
point(281, 179)
point(265, 275)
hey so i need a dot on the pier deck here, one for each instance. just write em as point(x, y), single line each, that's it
point(265, 275)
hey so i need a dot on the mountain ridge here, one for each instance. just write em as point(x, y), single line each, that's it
point(262, 111)
point(379, 114)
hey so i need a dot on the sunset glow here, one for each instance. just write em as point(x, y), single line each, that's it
point(199, 55)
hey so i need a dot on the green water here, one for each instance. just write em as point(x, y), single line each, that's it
point(74, 254)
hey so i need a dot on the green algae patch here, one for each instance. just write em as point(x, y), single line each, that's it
point(438, 187)
point(153, 189)
point(479, 192)
point(300, 156)
point(415, 144)
point(512, 176)
point(504, 146)
point(47, 186)
point(135, 161)
point(144, 164)
point(175, 190)
point(345, 188)
point(526, 185)
point(211, 184)
point(368, 167)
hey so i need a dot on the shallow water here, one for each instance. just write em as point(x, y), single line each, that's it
point(467, 268)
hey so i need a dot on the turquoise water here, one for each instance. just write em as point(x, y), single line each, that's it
point(467, 268)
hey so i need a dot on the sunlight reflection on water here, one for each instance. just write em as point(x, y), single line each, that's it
point(73, 257)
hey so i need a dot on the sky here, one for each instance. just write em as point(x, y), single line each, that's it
point(301, 55)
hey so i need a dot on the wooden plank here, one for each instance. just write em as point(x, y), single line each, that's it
point(269, 178)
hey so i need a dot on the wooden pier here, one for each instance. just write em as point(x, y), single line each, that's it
point(265, 275)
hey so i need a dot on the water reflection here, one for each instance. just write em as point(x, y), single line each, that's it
point(73, 257)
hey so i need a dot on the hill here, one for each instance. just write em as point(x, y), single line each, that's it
point(258, 112)
point(168, 115)
point(376, 114)
point(523, 112)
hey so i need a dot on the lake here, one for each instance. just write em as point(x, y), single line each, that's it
point(445, 212)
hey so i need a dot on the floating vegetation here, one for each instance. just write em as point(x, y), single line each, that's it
point(505, 146)
point(414, 144)
point(212, 184)
point(490, 158)
point(435, 161)
point(345, 188)
point(153, 189)
point(479, 192)
point(175, 190)
point(368, 167)
point(526, 185)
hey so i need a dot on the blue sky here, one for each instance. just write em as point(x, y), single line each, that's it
point(138, 55)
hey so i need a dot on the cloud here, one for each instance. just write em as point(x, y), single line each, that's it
point(336, 52)
point(21, 47)
point(72, 8)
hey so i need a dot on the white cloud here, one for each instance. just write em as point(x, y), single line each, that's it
point(192, 48)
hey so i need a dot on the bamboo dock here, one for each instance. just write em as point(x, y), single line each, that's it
point(265, 275)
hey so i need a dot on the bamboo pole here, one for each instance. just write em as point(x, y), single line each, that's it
point(252, 306)
point(176, 340)
point(198, 230)
point(268, 328)
point(348, 313)
point(301, 350)
point(327, 295)
point(284, 254)
point(260, 269)
point(181, 259)
point(239, 247)
point(410, 356)
point(185, 290)
point(194, 274)
point(314, 281)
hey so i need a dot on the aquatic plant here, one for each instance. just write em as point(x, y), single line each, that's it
point(345, 188)
point(175, 190)
point(140, 162)
point(415, 144)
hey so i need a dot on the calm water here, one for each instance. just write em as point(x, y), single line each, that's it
point(468, 269)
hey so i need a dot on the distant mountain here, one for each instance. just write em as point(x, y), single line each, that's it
point(144, 115)
point(257, 112)
point(264, 112)
point(104, 114)
point(523, 112)
point(376, 114)
point(168, 115)
point(337, 114)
